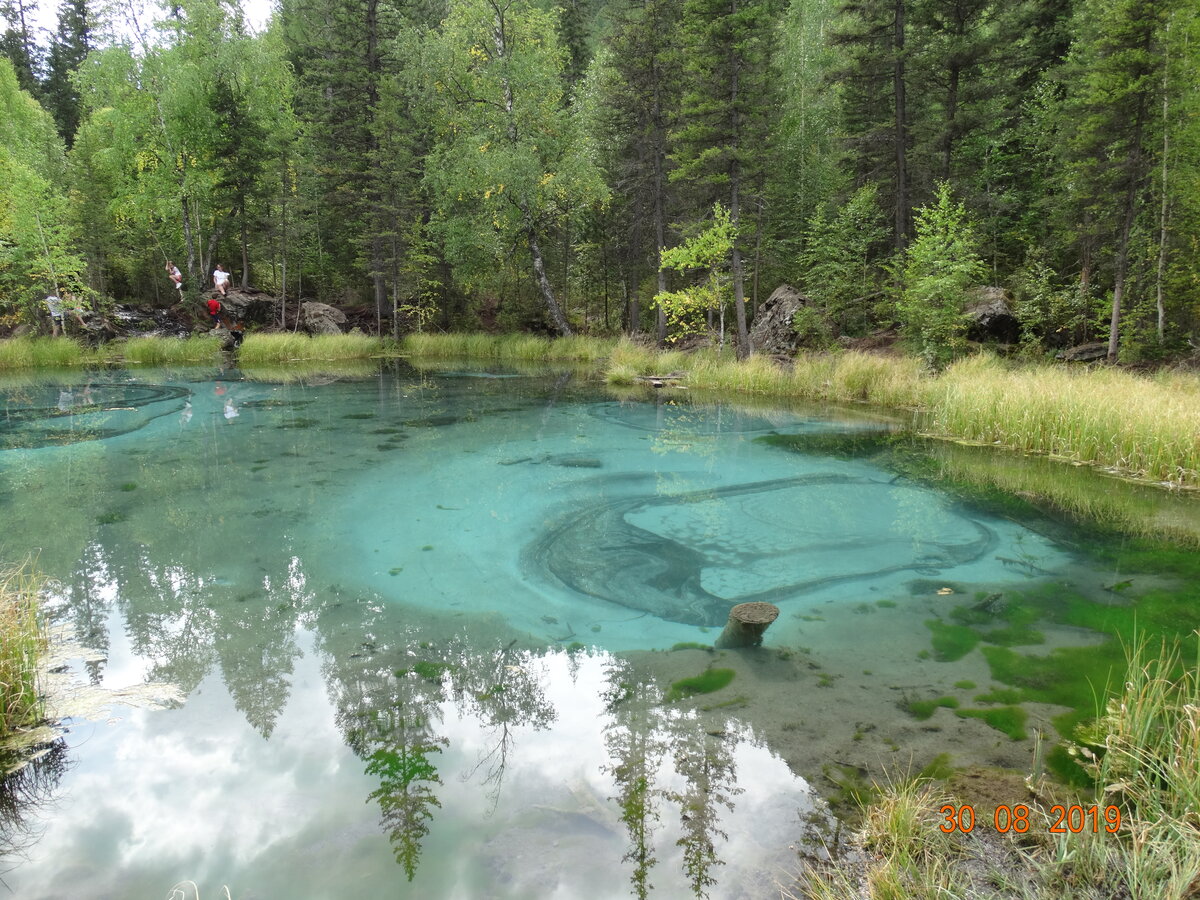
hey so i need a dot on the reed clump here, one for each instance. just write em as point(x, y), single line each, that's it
point(21, 643)
point(259, 349)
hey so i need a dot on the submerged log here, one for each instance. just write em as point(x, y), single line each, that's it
point(747, 622)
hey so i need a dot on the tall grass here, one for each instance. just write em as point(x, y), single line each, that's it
point(258, 349)
point(1140, 426)
point(44, 353)
point(165, 351)
point(523, 347)
point(21, 642)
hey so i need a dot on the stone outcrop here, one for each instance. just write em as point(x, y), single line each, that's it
point(990, 316)
point(772, 330)
point(1085, 352)
point(321, 318)
point(251, 305)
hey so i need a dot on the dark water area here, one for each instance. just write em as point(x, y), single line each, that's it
point(434, 632)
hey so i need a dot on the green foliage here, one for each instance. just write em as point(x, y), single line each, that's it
point(510, 157)
point(708, 252)
point(838, 273)
point(811, 327)
point(939, 267)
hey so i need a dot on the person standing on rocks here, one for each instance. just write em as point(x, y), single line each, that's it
point(54, 305)
point(214, 311)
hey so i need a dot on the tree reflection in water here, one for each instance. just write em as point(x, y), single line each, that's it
point(643, 734)
point(25, 791)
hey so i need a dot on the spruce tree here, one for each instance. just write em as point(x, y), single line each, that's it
point(68, 49)
point(725, 118)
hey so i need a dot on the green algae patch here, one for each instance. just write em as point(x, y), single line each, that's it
point(430, 671)
point(691, 645)
point(1005, 696)
point(938, 769)
point(951, 642)
point(705, 683)
point(924, 709)
point(1013, 636)
point(1008, 719)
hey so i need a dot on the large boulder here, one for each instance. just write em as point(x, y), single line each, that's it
point(772, 331)
point(251, 305)
point(990, 316)
point(321, 318)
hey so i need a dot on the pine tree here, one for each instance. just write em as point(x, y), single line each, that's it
point(68, 49)
point(635, 108)
point(1117, 68)
point(939, 267)
point(19, 44)
point(725, 116)
point(877, 112)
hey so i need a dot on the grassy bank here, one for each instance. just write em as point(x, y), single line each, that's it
point(265, 349)
point(21, 641)
point(1144, 754)
point(516, 347)
point(258, 349)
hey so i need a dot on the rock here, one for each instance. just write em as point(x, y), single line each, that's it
point(772, 331)
point(23, 331)
point(321, 318)
point(251, 305)
point(990, 317)
point(1085, 352)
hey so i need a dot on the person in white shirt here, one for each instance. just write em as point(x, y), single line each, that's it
point(175, 275)
point(54, 305)
point(221, 280)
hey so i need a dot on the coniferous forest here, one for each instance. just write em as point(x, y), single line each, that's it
point(605, 165)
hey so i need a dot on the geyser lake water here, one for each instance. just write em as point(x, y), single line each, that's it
point(424, 625)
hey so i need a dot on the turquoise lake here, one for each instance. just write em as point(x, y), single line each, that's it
point(421, 625)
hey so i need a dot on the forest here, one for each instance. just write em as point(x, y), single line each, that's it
point(595, 166)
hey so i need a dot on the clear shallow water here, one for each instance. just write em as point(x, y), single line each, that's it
point(374, 592)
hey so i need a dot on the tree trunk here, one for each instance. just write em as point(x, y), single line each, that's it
point(901, 126)
point(245, 249)
point(1160, 303)
point(660, 314)
point(539, 272)
point(1121, 267)
point(189, 242)
point(735, 185)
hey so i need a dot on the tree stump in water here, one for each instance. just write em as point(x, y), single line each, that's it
point(747, 622)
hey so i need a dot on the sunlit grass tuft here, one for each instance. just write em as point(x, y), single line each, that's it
point(260, 349)
point(21, 643)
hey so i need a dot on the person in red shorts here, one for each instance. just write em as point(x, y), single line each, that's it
point(214, 311)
